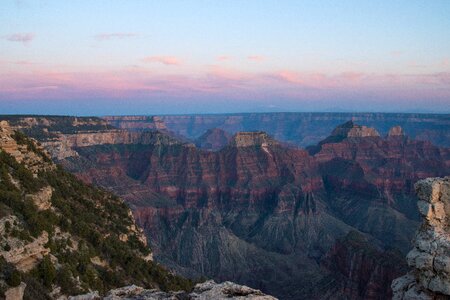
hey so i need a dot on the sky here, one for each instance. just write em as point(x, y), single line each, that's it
point(108, 57)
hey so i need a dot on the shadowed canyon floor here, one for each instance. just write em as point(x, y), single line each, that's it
point(334, 220)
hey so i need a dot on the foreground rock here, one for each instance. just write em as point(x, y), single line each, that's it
point(430, 257)
point(15, 293)
point(202, 291)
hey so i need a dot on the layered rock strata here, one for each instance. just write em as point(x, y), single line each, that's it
point(258, 205)
point(430, 257)
point(269, 216)
point(302, 129)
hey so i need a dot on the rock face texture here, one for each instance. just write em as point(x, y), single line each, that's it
point(21, 151)
point(24, 255)
point(208, 290)
point(271, 216)
point(352, 130)
point(15, 293)
point(364, 267)
point(430, 257)
point(277, 218)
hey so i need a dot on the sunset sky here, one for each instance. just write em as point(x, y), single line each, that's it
point(170, 57)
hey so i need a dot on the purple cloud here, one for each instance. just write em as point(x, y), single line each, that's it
point(24, 38)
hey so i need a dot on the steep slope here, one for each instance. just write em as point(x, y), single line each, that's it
point(213, 139)
point(276, 218)
point(59, 236)
point(370, 177)
point(362, 269)
point(224, 214)
point(430, 257)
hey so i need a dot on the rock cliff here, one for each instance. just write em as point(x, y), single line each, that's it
point(203, 291)
point(396, 131)
point(430, 257)
point(352, 130)
point(365, 268)
point(271, 216)
point(252, 139)
point(301, 129)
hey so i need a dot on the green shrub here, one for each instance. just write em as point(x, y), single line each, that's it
point(46, 271)
point(14, 278)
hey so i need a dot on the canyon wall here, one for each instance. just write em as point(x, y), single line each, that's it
point(330, 221)
point(301, 129)
point(430, 257)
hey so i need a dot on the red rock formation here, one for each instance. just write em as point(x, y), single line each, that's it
point(267, 215)
point(302, 129)
point(365, 271)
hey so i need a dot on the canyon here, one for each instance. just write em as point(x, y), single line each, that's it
point(245, 203)
point(301, 129)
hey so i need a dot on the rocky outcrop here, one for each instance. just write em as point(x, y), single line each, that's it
point(42, 198)
point(16, 293)
point(396, 131)
point(11, 144)
point(23, 254)
point(301, 129)
point(208, 290)
point(352, 130)
point(251, 139)
point(136, 122)
point(66, 145)
point(430, 257)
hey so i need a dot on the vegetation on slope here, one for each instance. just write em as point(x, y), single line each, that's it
point(86, 228)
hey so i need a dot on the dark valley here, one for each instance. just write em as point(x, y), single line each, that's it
point(333, 220)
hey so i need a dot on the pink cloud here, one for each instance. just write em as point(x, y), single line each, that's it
point(219, 82)
point(24, 38)
point(256, 58)
point(227, 73)
point(223, 58)
point(24, 63)
point(288, 76)
point(352, 76)
point(165, 60)
point(114, 35)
